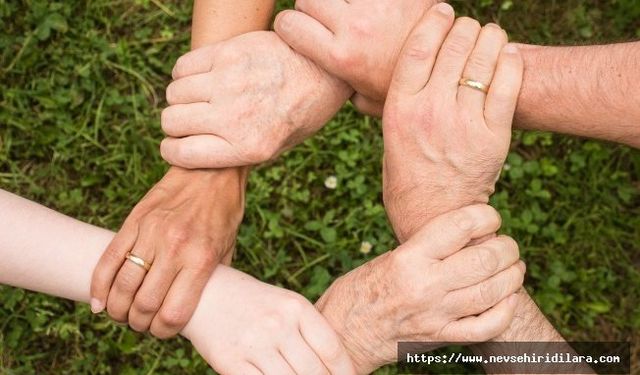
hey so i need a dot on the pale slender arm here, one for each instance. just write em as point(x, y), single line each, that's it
point(47, 252)
point(588, 91)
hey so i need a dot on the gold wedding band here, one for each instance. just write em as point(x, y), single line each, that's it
point(474, 85)
point(138, 261)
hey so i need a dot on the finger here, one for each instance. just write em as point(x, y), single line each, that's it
point(196, 62)
point(503, 92)
point(273, 363)
point(476, 263)
point(327, 12)
point(180, 302)
point(485, 326)
point(454, 54)
point(110, 263)
point(151, 294)
point(190, 89)
point(183, 120)
point(367, 106)
point(448, 233)
point(301, 357)
point(307, 36)
point(482, 296)
point(129, 278)
point(481, 67)
point(324, 341)
point(202, 151)
point(418, 55)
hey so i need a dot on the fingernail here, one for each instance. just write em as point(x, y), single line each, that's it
point(511, 48)
point(445, 9)
point(282, 25)
point(96, 306)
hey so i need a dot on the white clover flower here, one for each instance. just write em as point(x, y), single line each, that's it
point(365, 247)
point(331, 182)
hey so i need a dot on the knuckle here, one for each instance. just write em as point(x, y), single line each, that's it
point(113, 254)
point(207, 259)
point(480, 62)
point(400, 260)
point(274, 322)
point(487, 214)
point(463, 221)
point(341, 58)
point(489, 293)
point(457, 45)
point(147, 304)
point(510, 245)
point(294, 305)
point(185, 155)
point(487, 260)
point(417, 49)
point(173, 317)
point(116, 312)
point(518, 278)
point(126, 282)
point(177, 235)
point(137, 326)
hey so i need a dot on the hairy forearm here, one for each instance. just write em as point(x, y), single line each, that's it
point(588, 91)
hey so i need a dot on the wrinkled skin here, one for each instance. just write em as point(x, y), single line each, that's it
point(357, 41)
point(432, 289)
point(245, 101)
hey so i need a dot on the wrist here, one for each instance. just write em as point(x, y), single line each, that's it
point(408, 212)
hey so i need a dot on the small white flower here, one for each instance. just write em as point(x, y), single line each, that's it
point(506, 167)
point(331, 182)
point(365, 247)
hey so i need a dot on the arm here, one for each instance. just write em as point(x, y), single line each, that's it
point(445, 144)
point(44, 251)
point(186, 224)
point(586, 91)
point(217, 20)
point(589, 91)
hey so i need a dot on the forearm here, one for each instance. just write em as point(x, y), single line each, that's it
point(217, 20)
point(588, 91)
point(214, 21)
point(45, 251)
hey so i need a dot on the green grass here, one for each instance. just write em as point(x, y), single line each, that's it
point(81, 90)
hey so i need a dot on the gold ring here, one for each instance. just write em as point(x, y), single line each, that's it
point(138, 261)
point(474, 85)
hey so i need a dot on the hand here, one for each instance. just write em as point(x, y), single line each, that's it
point(432, 288)
point(357, 41)
point(244, 101)
point(184, 227)
point(244, 326)
point(445, 143)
